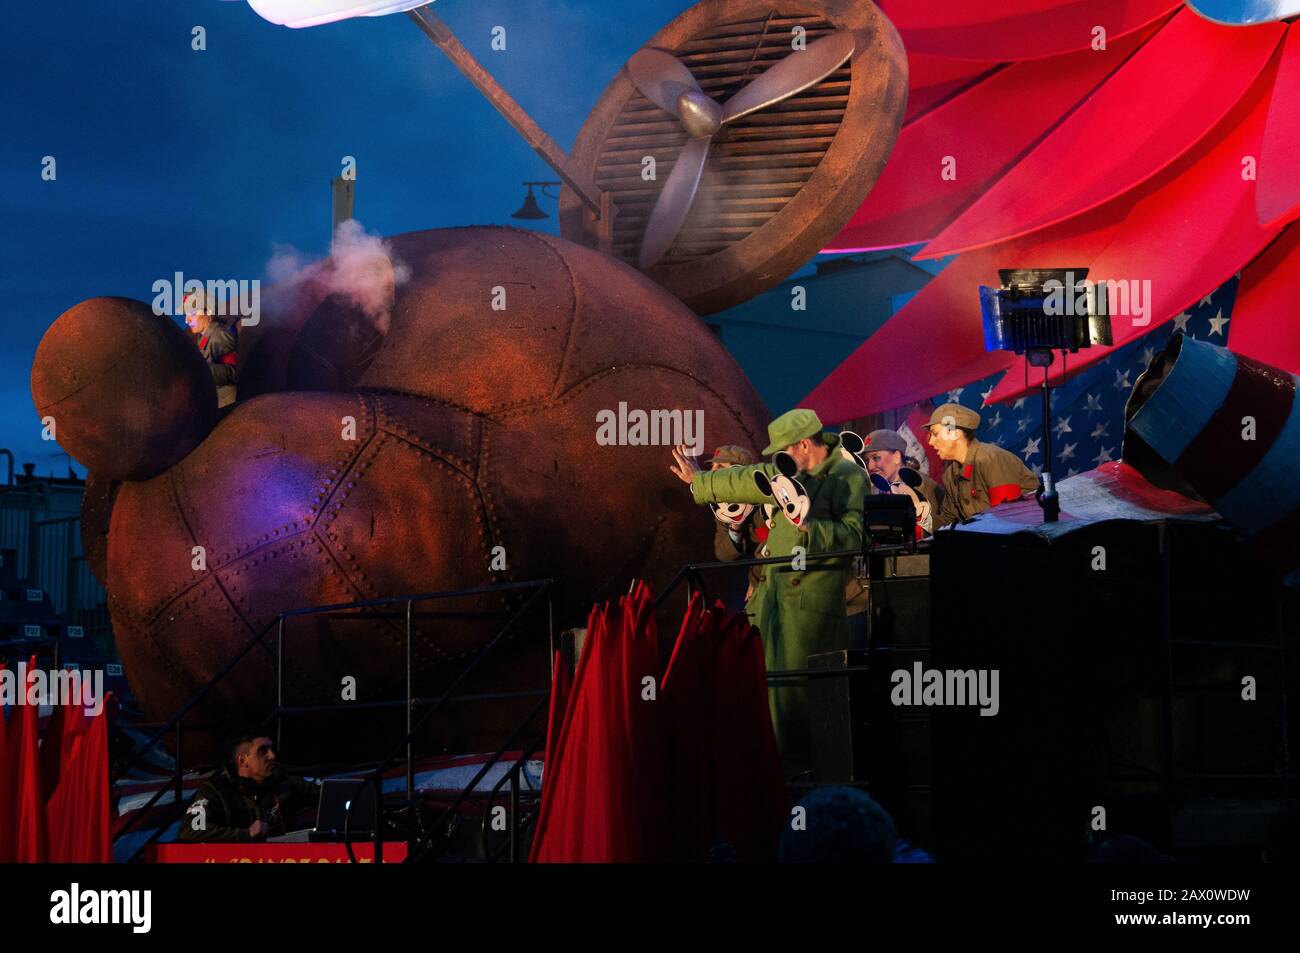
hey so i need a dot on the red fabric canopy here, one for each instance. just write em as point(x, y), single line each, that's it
point(1265, 317)
point(1187, 237)
point(1037, 165)
point(1214, 71)
point(1016, 29)
point(979, 133)
point(931, 79)
point(1278, 198)
point(936, 341)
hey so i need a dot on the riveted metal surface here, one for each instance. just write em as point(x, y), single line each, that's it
point(472, 429)
point(128, 393)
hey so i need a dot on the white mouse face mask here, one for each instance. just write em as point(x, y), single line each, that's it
point(790, 496)
point(732, 514)
point(852, 447)
point(909, 484)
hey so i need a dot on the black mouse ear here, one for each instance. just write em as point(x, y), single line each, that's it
point(761, 481)
point(881, 484)
point(851, 442)
point(785, 463)
point(911, 478)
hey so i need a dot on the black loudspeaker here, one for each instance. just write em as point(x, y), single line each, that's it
point(858, 735)
point(1142, 678)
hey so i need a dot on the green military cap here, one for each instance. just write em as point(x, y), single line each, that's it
point(791, 427)
point(960, 416)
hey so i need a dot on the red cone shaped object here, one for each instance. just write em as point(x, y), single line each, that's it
point(947, 158)
point(936, 341)
point(1206, 211)
point(1277, 200)
point(1158, 122)
point(1265, 321)
point(1019, 29)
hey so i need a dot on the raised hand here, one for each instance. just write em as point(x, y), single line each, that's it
point(685, 465)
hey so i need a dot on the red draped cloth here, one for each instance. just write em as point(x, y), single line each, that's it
point(673, 765)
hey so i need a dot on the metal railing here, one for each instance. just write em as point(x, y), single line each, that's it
point(176, 724)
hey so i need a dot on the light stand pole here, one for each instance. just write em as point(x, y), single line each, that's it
point(1050, 502)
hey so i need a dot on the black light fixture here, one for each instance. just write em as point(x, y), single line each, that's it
point(1038, 311)
point(530, 209)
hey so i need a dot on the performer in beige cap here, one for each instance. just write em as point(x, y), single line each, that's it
point(976, 475)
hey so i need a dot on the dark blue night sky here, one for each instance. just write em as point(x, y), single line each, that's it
point(175, 160)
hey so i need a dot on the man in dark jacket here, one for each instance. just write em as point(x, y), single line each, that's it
point(247, 799)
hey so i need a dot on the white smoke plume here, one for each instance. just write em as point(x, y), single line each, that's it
point(361, 266)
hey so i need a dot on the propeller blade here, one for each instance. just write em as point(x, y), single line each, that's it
point(674, 202)
point(794, 74)
point(661, 77)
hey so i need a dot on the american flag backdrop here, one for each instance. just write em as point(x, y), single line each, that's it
point(1088, 409)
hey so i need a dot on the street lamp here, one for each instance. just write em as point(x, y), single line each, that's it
point(530, 209)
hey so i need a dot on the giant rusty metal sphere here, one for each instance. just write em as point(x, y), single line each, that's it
point(475, 428)
point(128, 393)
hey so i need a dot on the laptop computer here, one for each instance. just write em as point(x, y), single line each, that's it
point(332, 812)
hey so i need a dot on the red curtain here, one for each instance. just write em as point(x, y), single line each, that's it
point(54, 794)
point(78, 806)
point(8, 783)
point(23, 765)
point(651, 767)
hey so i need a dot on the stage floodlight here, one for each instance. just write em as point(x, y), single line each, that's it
point(1053, 309)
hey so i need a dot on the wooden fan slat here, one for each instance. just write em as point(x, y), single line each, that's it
point(718, 193)
point(768, 205)
point(721, 87)
point(634, 148)
point(724, 163)
point(814, 98)
point(671, 134)
point(746, 40)
point(797, 152)
point(774, 48)
point(776, 24)
point(773, 147)
point(783, 175)
point(733, 73)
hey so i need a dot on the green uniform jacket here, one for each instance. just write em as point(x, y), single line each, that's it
point(798, 612)
point(989, 476)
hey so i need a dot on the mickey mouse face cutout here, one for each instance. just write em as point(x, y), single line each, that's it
point(731, 514)
point(852, 447)
point(789, 494)
point(910, 483)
